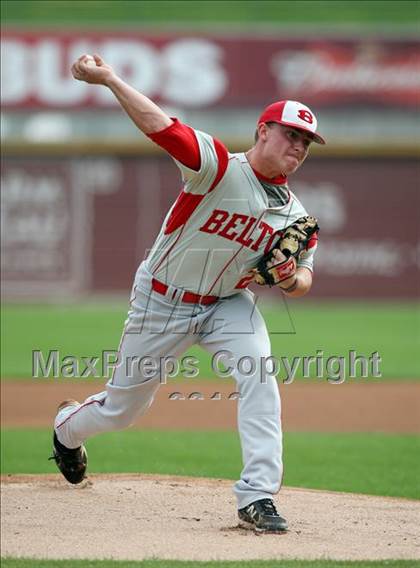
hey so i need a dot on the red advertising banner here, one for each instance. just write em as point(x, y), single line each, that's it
point(43, 229)
point(47, 210)
point(204, 70)
point(85, 224)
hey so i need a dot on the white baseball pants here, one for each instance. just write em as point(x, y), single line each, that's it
point(158, 327)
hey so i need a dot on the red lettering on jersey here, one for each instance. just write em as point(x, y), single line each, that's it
point(215, 221)
point(306, 116)
point(243, 282)
point(265, 229)
point(231, 224)
point(224, 224)
point(241, 239)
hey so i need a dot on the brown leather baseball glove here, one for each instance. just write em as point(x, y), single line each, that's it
point(291, 243)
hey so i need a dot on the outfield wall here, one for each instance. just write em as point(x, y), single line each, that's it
point(76, 223)
point(82, 199)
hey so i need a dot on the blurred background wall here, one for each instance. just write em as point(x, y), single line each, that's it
point(84, 193)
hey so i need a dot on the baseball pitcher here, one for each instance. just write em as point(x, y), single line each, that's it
point(235, 222)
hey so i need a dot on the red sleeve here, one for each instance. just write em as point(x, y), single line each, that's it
point(181, 142)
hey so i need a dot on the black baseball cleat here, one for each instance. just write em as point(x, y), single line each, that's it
point(262, 516)
point(71, 462)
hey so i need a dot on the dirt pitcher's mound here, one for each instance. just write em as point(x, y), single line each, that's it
point(137, 517)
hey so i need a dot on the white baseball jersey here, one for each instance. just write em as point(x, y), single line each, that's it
point(221, 225)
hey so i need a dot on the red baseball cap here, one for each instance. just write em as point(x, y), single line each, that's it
point(292, 113)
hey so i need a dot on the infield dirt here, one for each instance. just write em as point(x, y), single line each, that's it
point(144, 516)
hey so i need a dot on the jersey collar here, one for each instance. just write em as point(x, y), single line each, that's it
point(279, 180)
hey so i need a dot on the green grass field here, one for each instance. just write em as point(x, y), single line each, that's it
point(296, 329)
point(139, 13)
point(29, 563)
point(376, 464)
